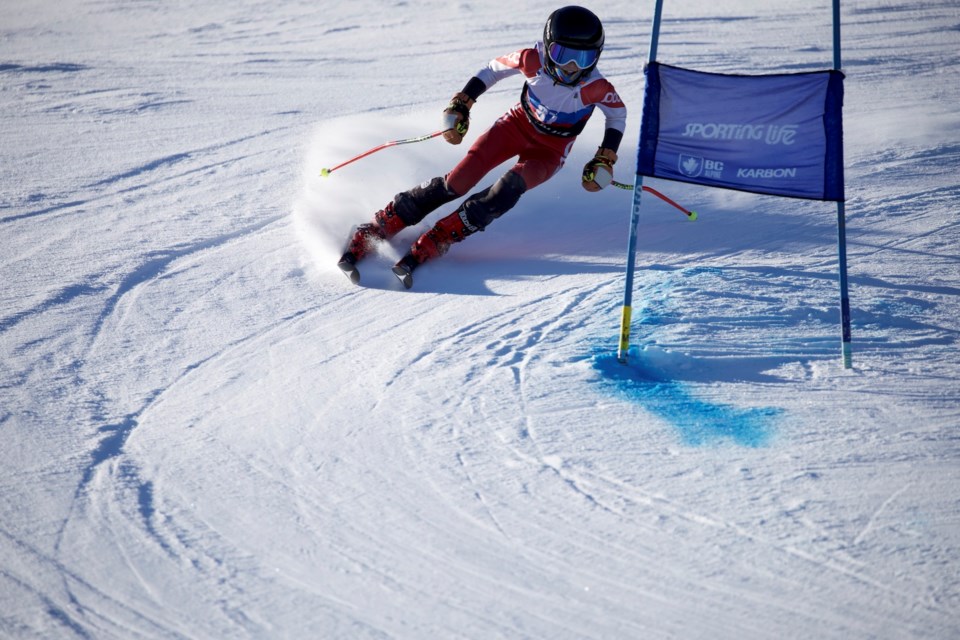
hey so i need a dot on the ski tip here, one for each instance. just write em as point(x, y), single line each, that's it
point(349, 267)
point(404, 270)
point(404, 275)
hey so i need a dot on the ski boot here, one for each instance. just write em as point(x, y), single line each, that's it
point(433, 244)
point(365, 238)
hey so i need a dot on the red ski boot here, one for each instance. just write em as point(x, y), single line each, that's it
point(433, 244)
point(365, 238)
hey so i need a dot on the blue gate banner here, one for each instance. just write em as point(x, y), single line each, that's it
point(776, 134)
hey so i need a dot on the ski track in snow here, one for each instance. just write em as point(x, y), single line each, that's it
point(208, 433)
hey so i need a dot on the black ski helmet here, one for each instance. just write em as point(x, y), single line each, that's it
point(572, 34)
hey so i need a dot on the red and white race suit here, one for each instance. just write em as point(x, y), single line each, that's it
point(541, 128)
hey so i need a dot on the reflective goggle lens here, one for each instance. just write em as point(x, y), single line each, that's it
point(561, 55)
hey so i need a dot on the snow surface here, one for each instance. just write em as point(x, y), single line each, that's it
point(207, 432)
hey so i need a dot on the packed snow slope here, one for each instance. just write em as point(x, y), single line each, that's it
point(207, 432)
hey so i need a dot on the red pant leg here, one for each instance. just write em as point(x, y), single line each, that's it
point(543, 155)
point(495, 146)
point(540, 155)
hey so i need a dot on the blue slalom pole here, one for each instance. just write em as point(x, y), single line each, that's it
point(845, 334)
point(836, 35)
point(627, 310)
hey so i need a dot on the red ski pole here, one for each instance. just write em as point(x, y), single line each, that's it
point(692, 215)
point(392, 143)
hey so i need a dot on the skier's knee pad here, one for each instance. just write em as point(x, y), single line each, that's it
point(486, 206)
point(412, 206)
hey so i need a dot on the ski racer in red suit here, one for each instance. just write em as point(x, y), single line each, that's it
point(562, 89)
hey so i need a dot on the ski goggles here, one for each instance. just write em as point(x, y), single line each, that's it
point(583, 58)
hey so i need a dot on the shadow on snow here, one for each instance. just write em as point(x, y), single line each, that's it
point(699, 421)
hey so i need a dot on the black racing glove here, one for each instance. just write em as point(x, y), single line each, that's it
point(598, 173)
point(456, 118)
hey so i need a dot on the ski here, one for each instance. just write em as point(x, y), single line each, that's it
point(404, 270)
point(404, 274)
point(348, 265)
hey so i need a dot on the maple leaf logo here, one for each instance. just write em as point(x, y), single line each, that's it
point(690, 166)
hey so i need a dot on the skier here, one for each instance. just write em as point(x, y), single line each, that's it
point(562, 88)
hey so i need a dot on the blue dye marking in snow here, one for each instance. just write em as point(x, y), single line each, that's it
point(699, 422)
